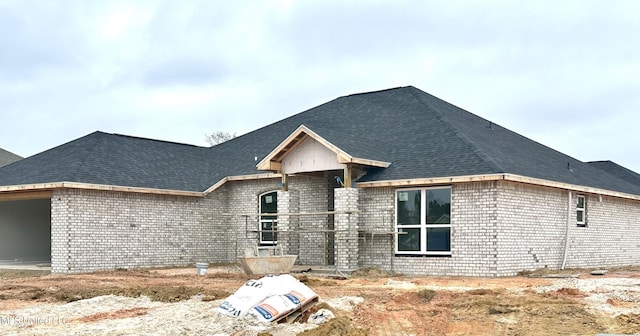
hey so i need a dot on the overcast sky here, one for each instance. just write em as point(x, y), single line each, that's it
point(564, 73)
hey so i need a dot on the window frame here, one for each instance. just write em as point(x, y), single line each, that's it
point(582, 210)
point(263, 219)
point(423, 226)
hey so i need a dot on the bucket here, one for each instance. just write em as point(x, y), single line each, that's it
point(201, 268)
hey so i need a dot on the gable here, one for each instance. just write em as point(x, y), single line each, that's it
point(274, 160)
point(310, 156)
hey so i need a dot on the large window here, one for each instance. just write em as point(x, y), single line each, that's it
point(268, 223)
point(424, 221)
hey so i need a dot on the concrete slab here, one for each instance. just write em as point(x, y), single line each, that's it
point(20, 265)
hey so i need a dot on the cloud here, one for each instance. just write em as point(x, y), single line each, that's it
point(563, 73)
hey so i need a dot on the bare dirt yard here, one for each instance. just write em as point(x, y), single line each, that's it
point(179, 302)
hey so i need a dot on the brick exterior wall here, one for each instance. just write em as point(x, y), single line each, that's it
point(532, 225)
point(612, 234)
point(376, 215)
point(288, 240)
point(498, 228)
point(97, 230)
point(473, 233)
point(307, 194)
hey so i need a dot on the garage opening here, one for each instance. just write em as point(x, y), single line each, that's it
point(25, 233)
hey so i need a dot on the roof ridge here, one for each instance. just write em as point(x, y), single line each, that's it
point(150, 139)
point(376, 91)
point(93, 148)
point(483, 156)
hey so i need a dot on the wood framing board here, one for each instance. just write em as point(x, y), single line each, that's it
point(25, 195)
point(496, 177)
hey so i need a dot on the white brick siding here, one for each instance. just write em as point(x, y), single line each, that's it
point(532, 224)
point(95, 230)
point(498, 228)
point(612, 234)
point(473, 237)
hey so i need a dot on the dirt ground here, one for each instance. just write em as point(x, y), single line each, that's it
point(177, 301)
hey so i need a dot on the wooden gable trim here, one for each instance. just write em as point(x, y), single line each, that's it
point(241, 178)
point(273, 161)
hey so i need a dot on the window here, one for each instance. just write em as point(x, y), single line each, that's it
point(423, 221)
point(581, 208)
point(268, 204)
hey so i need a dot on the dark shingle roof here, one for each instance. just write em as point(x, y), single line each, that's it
point(7, 157)
point(618, 171)
point(421, 135)
point(111, 159)
point(424, 136)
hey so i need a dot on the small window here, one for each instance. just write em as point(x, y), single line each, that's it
point(581, 212)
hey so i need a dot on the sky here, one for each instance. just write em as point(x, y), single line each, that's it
point(563, 73)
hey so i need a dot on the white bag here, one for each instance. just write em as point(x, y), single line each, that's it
point(272, 308)
point(247, 296)
point(268, 298)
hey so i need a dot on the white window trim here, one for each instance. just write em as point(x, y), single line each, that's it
point(423, 223)
point(583, 209)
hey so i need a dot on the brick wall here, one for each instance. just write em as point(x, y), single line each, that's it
point(95, 230)
point(309, 195)
point(532, 225)
point(501, 228)
point(498, 228)
point(376, 215)
point(473, 233)
point(612, 234)
point(243, 206)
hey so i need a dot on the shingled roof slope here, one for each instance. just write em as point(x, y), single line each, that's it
point(617, 170)
point(424, 136)
point(7, 157)
point(509, 152)
point(421, 135)
point(390, 125)
point(111, 159)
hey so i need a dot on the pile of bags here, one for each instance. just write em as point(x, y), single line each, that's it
point(268, 299)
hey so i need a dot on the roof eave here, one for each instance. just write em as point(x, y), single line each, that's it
point(90, 186)
point(496, 177)
point(241, 178)
point(364, 162)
